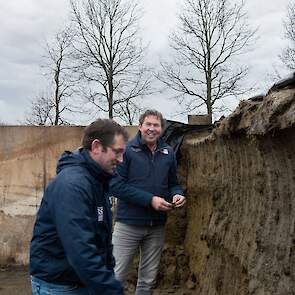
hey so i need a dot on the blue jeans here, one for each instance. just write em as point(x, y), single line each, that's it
point(149, 240)
point(40, 287)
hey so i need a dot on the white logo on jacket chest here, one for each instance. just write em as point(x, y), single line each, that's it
point(99, 214)
point(165, 151)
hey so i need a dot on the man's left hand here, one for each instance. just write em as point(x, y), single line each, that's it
point(178, 200)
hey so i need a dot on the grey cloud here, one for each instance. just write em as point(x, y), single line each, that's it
point(24, 25)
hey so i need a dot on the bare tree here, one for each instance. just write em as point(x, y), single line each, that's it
point(129, 111)
point(209, 37)
point(288, 54)
point(40, 112)
point(49, 109)
point(110, 54)
point(60, 69)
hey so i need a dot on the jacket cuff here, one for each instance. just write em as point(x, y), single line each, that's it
point(148, 199)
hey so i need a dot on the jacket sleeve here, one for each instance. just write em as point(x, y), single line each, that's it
point(174, 186)
point(120, 188)
point(75, 218)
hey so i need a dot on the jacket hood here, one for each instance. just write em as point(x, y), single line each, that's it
point(81, 157)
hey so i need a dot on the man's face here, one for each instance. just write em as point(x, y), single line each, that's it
point(111, 156)
point(150, 130)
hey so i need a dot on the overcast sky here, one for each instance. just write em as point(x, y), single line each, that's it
point(26, 24)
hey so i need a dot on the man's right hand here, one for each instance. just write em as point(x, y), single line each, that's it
point(160, 204)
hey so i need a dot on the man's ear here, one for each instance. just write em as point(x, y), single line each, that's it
point(96, 146)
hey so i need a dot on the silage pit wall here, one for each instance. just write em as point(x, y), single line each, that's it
point(241, 203)
point(28, 156)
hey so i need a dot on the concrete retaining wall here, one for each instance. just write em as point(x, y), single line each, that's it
point(28, 156)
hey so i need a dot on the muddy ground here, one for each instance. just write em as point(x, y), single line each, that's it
point(14, 282)
point(17, 282)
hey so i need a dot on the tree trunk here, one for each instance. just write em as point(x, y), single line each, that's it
point(56, 98)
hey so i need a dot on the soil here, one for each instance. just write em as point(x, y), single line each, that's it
point(16, 281)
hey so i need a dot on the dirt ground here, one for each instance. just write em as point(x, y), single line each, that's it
point(14, 282)
point(17, 282)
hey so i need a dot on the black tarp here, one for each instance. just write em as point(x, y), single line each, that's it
point(174, 132)
point(288, 82)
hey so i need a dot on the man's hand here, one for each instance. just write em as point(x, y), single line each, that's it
point(160, 204)
point(178, 200)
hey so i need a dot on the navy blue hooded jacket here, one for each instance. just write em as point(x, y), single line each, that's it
point(72, 235)
point(141, 176)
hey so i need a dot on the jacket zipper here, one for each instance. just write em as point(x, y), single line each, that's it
point(152, 160)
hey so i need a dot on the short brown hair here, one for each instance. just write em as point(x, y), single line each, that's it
point(152, 112)
point(104, 130)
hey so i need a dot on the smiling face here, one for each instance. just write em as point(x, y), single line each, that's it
point(109, 157)
point(150, 130)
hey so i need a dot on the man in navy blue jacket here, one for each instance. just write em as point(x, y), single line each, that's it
point(146, 187)
point(71, 249)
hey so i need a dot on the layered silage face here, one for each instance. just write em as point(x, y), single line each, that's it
point(241, 202)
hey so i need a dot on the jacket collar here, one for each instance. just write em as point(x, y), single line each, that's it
point(95, 168)
point(81, 157)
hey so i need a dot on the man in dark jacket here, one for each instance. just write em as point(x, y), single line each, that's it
point(146, 187)
point(71, 249)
